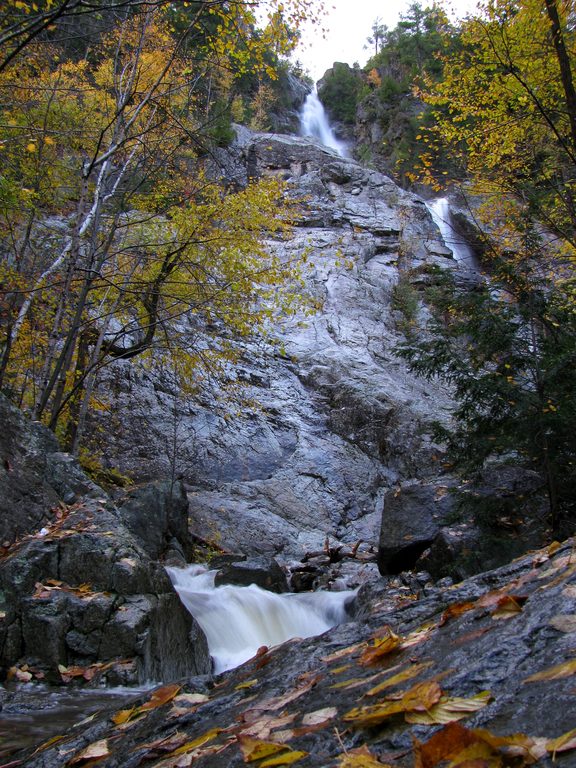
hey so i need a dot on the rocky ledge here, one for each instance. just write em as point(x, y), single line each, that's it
point(481, 674)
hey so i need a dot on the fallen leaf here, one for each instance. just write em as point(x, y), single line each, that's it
point(342, 653)
point(360, 758)
point(563, 743)
point(263, 727)
point(247, 684)
point(557, 672)
point(508, 606)
point(444, 745)
point(123, 716)
point(418, 636)
point(320, 716)
point(339, 670)
point(531, 749)
point(256, 749)
point(455, 610)
point(189, 746)
point(381, 646)
point(422, 696)
point(367, 717)
point(286, 758)
point(159, 697)
point(277, 702)
point(564, 622)
point(448, 710)
point(191, 698)
point(400, 677)
point(478, 755)
point(95, 751)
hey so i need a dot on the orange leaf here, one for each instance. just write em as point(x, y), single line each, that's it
point(160, 697)
point(382, 646)
point(422, 696)
point(455, 610)
point(444, 745)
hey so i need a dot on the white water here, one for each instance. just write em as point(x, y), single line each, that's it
point(237, 621)
point(440, 212)
point(314, 122)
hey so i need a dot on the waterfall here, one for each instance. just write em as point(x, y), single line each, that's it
point(440, 212)
point(237, 621)
point(314, 122)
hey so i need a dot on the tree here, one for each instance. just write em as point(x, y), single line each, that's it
point(113, 231)
point(506, 110)
point(379, 31)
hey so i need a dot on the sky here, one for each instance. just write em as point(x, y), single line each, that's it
point(349, 23)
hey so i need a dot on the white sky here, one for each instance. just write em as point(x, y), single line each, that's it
point(349, 23)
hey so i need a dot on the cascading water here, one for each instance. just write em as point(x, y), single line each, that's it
point(440, 212)
point(237, 621)
point(314, 122)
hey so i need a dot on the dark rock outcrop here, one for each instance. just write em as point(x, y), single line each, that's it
point(81, 586)
point(84, 593)
point(35, 476)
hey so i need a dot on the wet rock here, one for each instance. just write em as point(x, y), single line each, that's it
point(157, 515)
point(334, 420)
point(35, 476)
point(264, 573)
point(84, 592)
point(411, 519)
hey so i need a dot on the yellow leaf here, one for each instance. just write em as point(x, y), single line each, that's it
point(360, 758)
point(31, 147)
point(199, 742)
point(381, 647)
point(448, 710)
point(123, 716)
point(254, 749)
point(422, 696)
point(562, 743)
point(407, 674)
point(247, 684)
point(287, 758)
point(366, 717)
point(557, 672)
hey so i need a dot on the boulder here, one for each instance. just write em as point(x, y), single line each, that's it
point(412, 515)
point(157, 516)
point(263, 572)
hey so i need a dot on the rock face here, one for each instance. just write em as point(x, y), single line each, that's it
point(34, 475)
point(83, 593)
point(495, 651)
point(339, 419)
point(83, 590)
